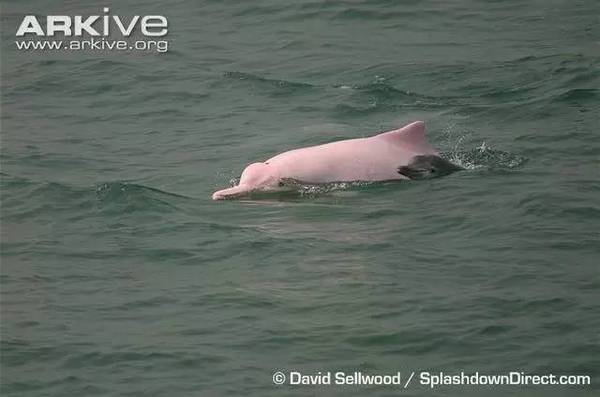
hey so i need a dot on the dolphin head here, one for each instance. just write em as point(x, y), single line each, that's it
point(256, 177)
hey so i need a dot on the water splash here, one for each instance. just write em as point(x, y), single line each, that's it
point(484, 157)
point(307, 190)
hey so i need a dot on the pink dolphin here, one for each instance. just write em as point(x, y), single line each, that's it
point(393, 155)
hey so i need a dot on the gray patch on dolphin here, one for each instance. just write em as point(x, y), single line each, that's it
point(427, 166)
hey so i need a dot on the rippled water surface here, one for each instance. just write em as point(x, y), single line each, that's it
point(120, 276)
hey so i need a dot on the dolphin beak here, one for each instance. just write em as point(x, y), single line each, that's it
point(231, 192)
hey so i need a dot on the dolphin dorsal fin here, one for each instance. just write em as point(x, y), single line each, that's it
point(412, 135)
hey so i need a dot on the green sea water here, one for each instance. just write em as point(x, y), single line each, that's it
point(121, 277)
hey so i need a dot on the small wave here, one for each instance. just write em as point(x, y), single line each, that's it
point(274, 86)
point(578, 94)
point(27, 198)
point(105, 65)
point(345, 111)
point(380, 95)
point(131, 197)
point(107, 358)
point(55, 80)
point(382, 89)
point(175, 96)
point(356, 13)
point(260, 10)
